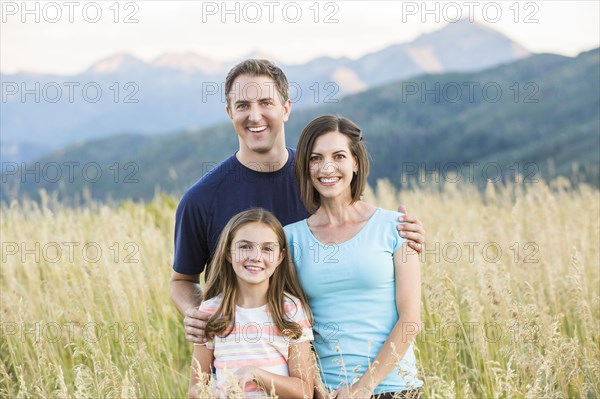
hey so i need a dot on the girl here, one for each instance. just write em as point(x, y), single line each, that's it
point(259, 331)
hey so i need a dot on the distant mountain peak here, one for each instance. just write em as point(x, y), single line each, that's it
point(187, 62)
point(116, 62)
point(471, 33)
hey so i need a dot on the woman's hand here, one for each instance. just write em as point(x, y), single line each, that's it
point(354, 391)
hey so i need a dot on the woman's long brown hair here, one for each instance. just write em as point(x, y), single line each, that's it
point(223, 280)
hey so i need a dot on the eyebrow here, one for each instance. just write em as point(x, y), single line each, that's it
point(335, 152)
point(252, 242)
point(259, 100)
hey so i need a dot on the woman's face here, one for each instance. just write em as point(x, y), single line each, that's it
point(332, 165)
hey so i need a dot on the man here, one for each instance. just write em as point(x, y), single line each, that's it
point(259, 174)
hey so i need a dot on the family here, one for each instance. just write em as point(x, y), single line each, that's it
point(310, 291)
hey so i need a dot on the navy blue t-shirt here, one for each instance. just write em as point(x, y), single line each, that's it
point(226, 190)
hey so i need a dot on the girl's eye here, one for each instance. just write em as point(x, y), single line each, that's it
point(268, 249)
point(245, 246)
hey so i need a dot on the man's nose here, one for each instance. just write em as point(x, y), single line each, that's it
point(255, 114)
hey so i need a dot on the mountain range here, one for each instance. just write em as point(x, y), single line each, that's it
point(535, 118)
point(123, 94)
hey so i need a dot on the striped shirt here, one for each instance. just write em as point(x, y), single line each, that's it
point(254, 340)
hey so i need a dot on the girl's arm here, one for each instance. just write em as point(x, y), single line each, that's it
point(200, 373)
point(408, 303)
point(300, 383)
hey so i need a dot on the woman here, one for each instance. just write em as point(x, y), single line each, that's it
point(361, 279)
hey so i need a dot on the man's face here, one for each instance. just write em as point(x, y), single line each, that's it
point(258, 113)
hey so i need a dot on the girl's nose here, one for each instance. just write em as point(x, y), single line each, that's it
point(255, 253)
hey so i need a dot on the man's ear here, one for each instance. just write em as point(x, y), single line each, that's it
point(287, 109)
point(228, 110)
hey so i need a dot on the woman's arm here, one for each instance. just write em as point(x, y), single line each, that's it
point(200, 373)
point(300, 383)
point(408, 303)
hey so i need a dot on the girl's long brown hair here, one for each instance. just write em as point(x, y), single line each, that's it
point(223, 280)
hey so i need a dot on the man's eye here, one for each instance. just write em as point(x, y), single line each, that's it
point(242, 106)
point(267, 103)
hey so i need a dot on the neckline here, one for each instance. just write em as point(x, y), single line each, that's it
point(358, 233)
point(266, 173)
point(238, 307)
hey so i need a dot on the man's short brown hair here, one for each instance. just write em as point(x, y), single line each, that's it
point(255, 67)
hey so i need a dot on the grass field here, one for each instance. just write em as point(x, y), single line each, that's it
point(511, 301)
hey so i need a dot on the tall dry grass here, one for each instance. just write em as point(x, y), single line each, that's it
point(511, 302)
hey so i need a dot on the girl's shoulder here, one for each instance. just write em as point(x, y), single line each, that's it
point(294, 311)
point(212, 304)
point(291, 304)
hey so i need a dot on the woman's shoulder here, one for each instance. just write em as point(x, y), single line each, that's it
point(294, 228)
point(387, 215)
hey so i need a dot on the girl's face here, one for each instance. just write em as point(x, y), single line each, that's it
point(255, 254)
point(332, 165)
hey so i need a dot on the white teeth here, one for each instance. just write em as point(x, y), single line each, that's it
point(257, 129)
point(329, 180)
point(254, 268)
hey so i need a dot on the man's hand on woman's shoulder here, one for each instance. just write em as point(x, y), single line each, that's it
point(412, 229)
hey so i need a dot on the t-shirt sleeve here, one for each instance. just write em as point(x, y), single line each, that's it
point(209, 306)
point(294, 311)
point(395, 240)
point(191, 243)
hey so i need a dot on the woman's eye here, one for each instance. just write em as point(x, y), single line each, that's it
point(340, 156)
point(314, 158)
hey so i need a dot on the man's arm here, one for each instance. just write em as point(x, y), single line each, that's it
point(186, 294)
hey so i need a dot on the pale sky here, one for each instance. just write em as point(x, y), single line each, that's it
point(290, 32)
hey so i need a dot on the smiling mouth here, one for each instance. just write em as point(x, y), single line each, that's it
point(252, 268)
point(257, 129)
point(329, 180)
